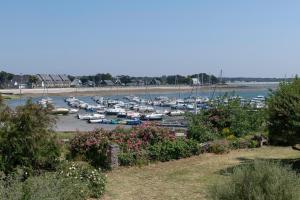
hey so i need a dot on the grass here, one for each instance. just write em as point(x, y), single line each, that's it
point(183, 179)
point(10, 96)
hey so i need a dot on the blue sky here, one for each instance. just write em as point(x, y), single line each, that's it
point(257, 38)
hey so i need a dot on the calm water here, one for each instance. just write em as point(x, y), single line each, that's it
point(59, 100)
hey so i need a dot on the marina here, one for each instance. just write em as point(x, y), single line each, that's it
point(85, 113)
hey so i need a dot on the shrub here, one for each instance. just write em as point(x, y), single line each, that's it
point(259, 181)
point(201, 133)
point(91, 177)
point(27, 139)
point(92, 146)
point(51, 186)
point(284, 113)
point(229, 116)
point(240, 143)
point(46, 186)
point(133, 158)
point(170, 150)
point(219, 147)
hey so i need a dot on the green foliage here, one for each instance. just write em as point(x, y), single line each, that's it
point(225, 114)
point(259, 181)
point(284, 113)
point(46, 186)
point(219, 147)
point(170, 150)
point(71, 181)
point(133, 158)
point(89, 176)
point(200, 130)
point(138, 145)
point(27, 140)
point(92, 146)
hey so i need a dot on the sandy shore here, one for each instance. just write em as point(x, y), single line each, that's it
point(125, 90)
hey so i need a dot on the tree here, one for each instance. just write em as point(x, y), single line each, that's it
point(284, 113)
point(27, 139)
point(5, 77)
point(125, 79)
point(33, 80)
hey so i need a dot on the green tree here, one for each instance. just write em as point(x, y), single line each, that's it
point(27, 139)
point(284, 113)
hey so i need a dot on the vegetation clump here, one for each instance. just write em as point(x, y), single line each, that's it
point(284, 113)
point(261, 180)
point(226, 118)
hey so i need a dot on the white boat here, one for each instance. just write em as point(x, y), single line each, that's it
point(60, 111)
point(133, 115)
point(176, 113)
point(146, 109)
point(91, 116)
point(153, 116)
point(114, 111)
point(73, 111)
point(93, 121)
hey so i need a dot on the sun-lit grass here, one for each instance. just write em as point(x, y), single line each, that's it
point(183, 179)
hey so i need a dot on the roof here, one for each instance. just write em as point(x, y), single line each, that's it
point(45, 77)
point(64, 77)
point(76, 82)
point(108, 82)
point(55, 77)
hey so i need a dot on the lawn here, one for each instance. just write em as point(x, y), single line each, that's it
point(183, 179)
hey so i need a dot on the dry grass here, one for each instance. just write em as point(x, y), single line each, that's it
point(185, 178)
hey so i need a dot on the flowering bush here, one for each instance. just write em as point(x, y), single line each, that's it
point(134, 145)
point(92, 146)
point(93, 178)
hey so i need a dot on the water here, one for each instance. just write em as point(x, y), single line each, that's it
point(59, 100)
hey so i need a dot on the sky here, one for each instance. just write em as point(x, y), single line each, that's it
point(257, 38)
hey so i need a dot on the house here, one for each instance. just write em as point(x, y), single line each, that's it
point(195, 81)
point(53, 80)
point(118, 82)
point(57, 81)
point(89, 83)
point(44, 80)
point(19, 81)
point(65, 79)
point(107, 83)
point(154, 82)
point(76, 83)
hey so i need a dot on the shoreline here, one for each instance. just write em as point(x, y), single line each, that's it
point(128, 90)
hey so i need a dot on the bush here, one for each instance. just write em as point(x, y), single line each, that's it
point(219, 147)
point(284, 113)
point(91, 146)
point(133, 158)
point(260, 180)
point(133, 144)
point(228, 116)
point(47, 186)
point(91, 177)
point(170, 150)
point(200, 132)
point(51, 186)
point(27, 139)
